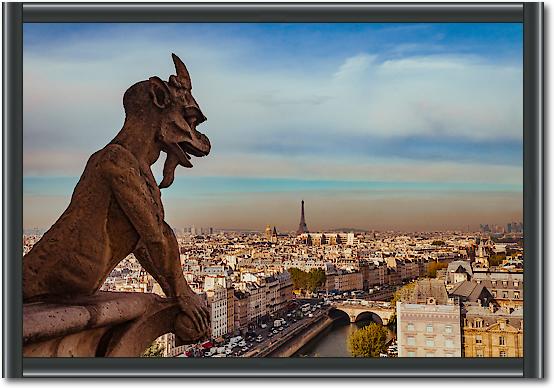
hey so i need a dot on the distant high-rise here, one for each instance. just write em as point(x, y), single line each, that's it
point(268, 232)
point(302, 228)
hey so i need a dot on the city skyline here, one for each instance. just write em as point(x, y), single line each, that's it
point(382, 126)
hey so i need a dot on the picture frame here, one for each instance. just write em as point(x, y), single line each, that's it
point(530, 14)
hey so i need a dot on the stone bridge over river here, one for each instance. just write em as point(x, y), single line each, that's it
point(379, 312)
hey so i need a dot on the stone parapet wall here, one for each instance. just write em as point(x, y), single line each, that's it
point(110, 324)
point(296, 343)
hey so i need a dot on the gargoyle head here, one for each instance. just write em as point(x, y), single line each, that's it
point(169, 109)
point(181, 116)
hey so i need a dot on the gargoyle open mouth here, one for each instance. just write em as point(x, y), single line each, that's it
point(179, 154)
point(198, 144)
point(200, 147)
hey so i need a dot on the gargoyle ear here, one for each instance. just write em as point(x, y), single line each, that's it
point(159, 93)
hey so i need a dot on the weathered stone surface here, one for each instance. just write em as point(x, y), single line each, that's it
point(115, 324)
point(71, 315)
point(115, 210)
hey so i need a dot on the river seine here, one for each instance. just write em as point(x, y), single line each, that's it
point(333, 341)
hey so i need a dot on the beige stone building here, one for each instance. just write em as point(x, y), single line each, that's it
point(428, 322)
point(505, 287)
point(230, 309)
point(241, 301)
point(217, 303)
point(284, 296)
point(344, 281)
point(493, 332)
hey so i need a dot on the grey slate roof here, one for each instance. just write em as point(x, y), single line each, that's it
point(458, 266)
point(429, 288)
point(469, 290)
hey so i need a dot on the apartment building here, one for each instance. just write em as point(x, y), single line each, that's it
point(428, 322)
point(217, 302)
point(492, 332)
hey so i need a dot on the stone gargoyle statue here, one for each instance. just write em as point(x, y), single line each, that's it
point(116, 207)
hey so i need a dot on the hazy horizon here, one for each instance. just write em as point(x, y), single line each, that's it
point(376, 126)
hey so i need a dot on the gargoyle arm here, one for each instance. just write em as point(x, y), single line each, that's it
point(188, 300)
point(131, 192)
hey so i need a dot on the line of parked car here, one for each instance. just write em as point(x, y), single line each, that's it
point(231, 348)
point(271, 327)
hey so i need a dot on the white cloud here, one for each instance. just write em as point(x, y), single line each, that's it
point(355, 66)
point(72, 98)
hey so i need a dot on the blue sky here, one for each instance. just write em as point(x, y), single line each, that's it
point(345, 116)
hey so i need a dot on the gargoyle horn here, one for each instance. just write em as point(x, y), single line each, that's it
point(182, 72)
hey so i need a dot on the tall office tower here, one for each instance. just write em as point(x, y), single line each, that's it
point(268, 232)
point(302, 228)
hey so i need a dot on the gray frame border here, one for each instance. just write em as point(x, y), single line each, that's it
point(14, 14)
point(12, 188)
point(533, 188)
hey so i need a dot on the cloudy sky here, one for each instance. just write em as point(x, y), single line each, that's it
point(375, 126)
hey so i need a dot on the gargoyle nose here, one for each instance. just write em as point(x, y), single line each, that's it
point(206, 145)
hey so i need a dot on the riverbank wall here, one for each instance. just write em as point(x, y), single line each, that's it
point(293, 345)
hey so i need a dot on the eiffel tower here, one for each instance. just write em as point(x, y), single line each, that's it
point(302, 228)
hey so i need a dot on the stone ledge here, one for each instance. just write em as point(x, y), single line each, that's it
point(45, 320)
point(113, 324)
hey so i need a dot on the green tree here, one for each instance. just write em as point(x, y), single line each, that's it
point(307, 281)
point(496, 259)
point(154, 350)
point(369, 341)
point(403, 293)
point(298, 278)
point(434, 267)
point(316, 279)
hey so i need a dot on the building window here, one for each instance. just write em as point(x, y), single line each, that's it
point(478, 339)
point(503, 353)
point(411, 327)
point(505, 294)
point(516, 294)
point(516, 284)
point(494, 283)
point(448, 329)
point(502, 325)
point(479, 353)
point(430, 342)
point(478, 323)
point(449, 343)
point(501, 340)
point(411, 340)
point(505, 283)
point(411, 354)
point(429, 328)
point(494, 294)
